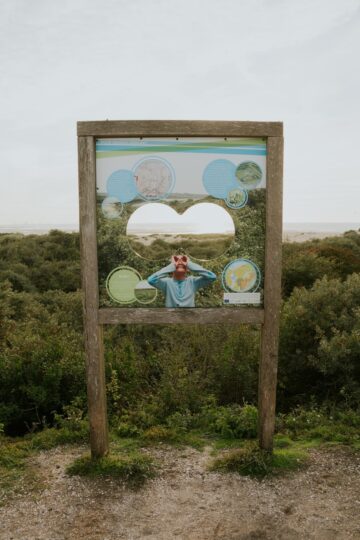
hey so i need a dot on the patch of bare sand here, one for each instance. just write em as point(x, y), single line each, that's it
point(187, 502)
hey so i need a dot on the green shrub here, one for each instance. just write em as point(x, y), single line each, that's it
point(73, 416)
point(337, 426)
point(249, 460)
point(300, 419)
point(347, 417)
point(302, 267)
point(282, 441)
point(233, 421)
point(180, 422)
point(334, 257)
point(334, 433)
point(52, 437)
point(320, 344)
point(127, 430)
point(159, 433)
point(41, 362)
point(170, 375)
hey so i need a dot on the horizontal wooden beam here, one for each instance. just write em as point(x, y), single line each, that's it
point(178, 128)
point(180, 316)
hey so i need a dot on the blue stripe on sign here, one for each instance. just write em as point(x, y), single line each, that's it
point(140, 149)
point(182, 142)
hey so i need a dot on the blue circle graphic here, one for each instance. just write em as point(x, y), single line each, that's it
point(219, 178)
point(121, 184)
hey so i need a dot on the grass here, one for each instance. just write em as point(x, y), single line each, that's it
point(250, 460)
point(163, 434)
point(200, 246)
point(126, 461)
point(298, 432)
point(132, 467)
point(52, 437)
point(158, 434)
point(291, 446)
point(15, 470)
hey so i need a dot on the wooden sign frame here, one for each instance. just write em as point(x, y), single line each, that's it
point(95, 317)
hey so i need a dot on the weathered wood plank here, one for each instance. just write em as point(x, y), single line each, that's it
point(180, 316)
point(95, 373)
point(272, 293)
point(178, 128)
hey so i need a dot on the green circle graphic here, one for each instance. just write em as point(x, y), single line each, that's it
point(121, 283)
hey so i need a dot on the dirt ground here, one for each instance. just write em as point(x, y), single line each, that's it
point(187, 502)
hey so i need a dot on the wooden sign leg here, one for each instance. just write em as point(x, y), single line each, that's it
point(95, 370)
point(272, 293)
point(96, 388)
point(267, 384)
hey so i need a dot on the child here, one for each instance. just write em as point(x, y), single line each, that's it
point(180, 289)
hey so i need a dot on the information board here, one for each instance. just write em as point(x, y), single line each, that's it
point(181, 221)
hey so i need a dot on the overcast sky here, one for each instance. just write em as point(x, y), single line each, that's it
point(294, 61)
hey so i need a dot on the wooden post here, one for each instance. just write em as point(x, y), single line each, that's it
point(272, 293)
point(95, 370)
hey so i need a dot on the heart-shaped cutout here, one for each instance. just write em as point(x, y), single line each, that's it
point(204, 231)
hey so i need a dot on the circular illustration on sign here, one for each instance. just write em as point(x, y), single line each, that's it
point(249, 174)
point(236, 198)
point(111, 208)
point(121, 283)
point(121, 185)
point(241, 276)
point(154, 178)
point(219, 178)
point(145, 293)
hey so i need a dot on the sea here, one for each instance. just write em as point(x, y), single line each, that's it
point(36, 228)
point(332, 227)
point(306, 227)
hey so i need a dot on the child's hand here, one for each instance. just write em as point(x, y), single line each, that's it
point(180, 260)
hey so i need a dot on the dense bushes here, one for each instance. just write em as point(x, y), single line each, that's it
point(41, 358)
point(173, 375)
point(40, 263)
point(304, 263)
point(320, 343)
point(157, 370)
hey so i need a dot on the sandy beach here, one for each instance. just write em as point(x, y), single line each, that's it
point(289, 235)
point(301, 236)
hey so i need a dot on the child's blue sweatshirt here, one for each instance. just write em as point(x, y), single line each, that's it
point(181, 293)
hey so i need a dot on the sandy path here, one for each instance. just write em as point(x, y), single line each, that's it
point(186, 502)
